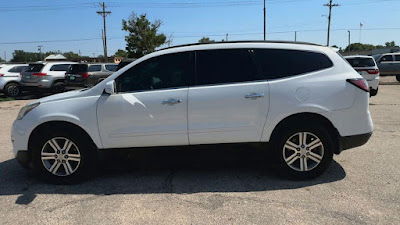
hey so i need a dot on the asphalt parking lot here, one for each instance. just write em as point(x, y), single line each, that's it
point(362, 186)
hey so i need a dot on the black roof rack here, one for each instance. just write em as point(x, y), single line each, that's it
point(252, 41)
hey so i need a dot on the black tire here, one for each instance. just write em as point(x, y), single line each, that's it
point(12, 90)
point(81, 171)
point(279, 153)
point(58, 87)
point(398, 78)
point(373, 92)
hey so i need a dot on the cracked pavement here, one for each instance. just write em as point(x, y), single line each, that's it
point(214, 186)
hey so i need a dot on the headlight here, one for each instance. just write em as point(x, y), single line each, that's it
point(26, 109)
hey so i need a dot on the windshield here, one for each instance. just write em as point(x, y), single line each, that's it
point(77, 68)
point(361, 62)
point(34, 68)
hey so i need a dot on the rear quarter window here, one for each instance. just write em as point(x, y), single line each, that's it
point(111, 67)
point(18, 69)
point(279, 63)
point(94, 68)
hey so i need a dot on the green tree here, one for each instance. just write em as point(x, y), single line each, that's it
point(360, 47)
point(71, 55)
point(121, 53)
point(206, 40)
point(390, 44)
point(22, 56)
point(144, 36)
point(2, 60)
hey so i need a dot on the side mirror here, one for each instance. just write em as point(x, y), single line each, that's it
point(110, 87)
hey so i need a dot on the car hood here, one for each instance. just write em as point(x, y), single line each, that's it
point(66, 95)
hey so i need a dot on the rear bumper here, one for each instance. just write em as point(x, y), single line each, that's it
point(353, 141)
point(373, 84)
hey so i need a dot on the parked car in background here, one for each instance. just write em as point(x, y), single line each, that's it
point(367, 68)
point(389, 64)
point(124, 62)
point(87, 75)
point(10, 78)
point(304, 99)
point(45, 76)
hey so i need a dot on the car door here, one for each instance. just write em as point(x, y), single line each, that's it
point(386, 65)
point(227, 105)
point(150, 106)
point(397, 64)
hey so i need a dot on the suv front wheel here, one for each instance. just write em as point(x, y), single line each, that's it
point(303, 152)
point(63, 157)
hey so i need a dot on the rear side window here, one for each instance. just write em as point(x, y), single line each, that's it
point(111, 67)
point(35, 68)
point(165, 71)
point(60, 67)
point(94, 68)
point(361, 62)
point(77, 68)
point(224, 66)
point(387, 58)
point(18, 69)
point(279, 63)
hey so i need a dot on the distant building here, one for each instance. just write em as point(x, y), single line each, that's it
point(58, 57)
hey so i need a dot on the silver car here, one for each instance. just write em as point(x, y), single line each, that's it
point(45, 76)
point(389, 64)
point(10, 78)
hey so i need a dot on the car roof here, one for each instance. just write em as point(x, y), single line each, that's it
point(357, 56)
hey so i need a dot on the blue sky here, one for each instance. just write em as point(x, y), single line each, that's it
point(41, 21)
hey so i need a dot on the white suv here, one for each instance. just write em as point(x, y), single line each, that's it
point(367, 68)
point(10, 78)
point(304, 99)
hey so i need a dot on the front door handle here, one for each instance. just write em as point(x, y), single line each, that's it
point(171, 101)
point(254, 95)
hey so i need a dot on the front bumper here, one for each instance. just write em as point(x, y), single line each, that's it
point(353, 141)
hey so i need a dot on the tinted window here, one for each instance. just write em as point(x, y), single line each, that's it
point(77, 68)
point(361, 62)
point(397, 57)
point(166, 71)
point(94, 68)
point(35, 68)
point(60, 67)
point(18, 69)
point(278, 63)
point(111, 67)
point(224, 66)
point(386, 58)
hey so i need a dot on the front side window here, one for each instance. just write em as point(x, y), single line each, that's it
point(94, 68)
point(279, 63)
point(111, 67)
point(60, 67)
point(397, 58)
point(18, 69)
point(224, 66)
point(165, 71)
point(387, 58)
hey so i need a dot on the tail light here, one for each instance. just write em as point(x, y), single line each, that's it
point(1, 74)
point(360, 83)
point(84, 75)
point(39, 74)
point(374, 71)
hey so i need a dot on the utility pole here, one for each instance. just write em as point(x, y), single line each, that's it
point(104, 14)
point(349, 40)
point(295, 36)
point(40, 52)
point(264, 21)
point(226, 39)
point(330, 5)
point(5, 56)
point(360, 31)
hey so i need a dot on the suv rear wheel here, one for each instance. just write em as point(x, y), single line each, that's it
point(303, 152)
point(58, 87)
point(12, 89)
point(63, 157)
point(398, 78)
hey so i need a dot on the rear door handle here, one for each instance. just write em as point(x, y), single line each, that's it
point(171, 101)
point(254, 95)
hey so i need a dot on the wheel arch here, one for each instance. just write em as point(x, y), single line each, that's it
point(309, 117)
point(50, 125)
